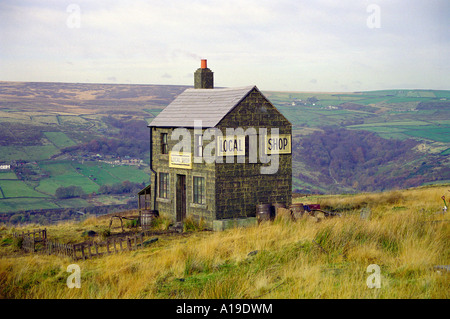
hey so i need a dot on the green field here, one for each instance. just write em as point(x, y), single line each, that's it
point(27, 153)
point(89, 176)
point(408, 129)
point(109, 174)
point(97, 172)
point(13, 204)
point(129, 173)
point(17, 195)
point(440, 134)
point(16, 188)
point(7, 175)
point(62, 174)
point(59, 139)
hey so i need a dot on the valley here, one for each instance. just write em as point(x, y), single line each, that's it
point(56, 135)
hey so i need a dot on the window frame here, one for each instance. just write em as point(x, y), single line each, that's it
point(164, 143)
point(199, 190)
point(163, 186)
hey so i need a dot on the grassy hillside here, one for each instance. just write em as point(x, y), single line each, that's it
point(402, 232)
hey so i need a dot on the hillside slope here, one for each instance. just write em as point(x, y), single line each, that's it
point(402, 232)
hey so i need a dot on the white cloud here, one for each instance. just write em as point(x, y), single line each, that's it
point(273, 44)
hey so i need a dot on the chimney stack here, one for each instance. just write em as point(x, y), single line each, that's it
point(203, 77)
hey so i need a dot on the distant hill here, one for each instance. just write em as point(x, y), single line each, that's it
point(367, 141)
point(87, 135)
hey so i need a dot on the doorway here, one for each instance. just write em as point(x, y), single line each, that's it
point(181, 197)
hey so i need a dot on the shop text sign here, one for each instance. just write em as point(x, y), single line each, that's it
point(234, 145)
point(278, 144)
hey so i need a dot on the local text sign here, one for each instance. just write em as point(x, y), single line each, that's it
point(180, 160)
point(231, 145)
point(278, 144)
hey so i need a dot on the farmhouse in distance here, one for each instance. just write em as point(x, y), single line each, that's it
point(186, 184)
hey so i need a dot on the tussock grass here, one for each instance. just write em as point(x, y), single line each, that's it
point(403, 235)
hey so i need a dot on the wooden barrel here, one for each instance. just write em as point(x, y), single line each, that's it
point(263, 212)
point(275, 207)
point(297, 210)
point(147, 216)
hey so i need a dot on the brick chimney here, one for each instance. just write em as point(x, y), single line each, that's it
point(203, 77)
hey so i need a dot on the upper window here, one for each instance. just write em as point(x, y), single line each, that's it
point(164, 144)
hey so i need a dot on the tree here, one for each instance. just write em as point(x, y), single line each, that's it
point(69, 192)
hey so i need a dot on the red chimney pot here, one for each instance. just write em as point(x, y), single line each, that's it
point(204, 64)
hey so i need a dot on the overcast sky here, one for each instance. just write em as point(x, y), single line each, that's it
point(290, 45)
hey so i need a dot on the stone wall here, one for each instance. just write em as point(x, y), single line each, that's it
point(241, 186)
point(167, 207)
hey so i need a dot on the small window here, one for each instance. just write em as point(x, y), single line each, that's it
point(164, 144)
point(163, 185)
point(199, 190)
point(198, 147)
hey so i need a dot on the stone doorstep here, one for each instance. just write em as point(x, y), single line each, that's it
point(223, 224)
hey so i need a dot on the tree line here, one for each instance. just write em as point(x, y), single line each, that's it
point(127, 138)
point(363, 161)
point(125, 187)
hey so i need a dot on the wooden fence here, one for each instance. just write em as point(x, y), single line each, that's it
point(30, 239)
point(110, 246)
point(84, 250)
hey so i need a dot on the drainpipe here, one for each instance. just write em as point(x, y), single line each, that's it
point(151, 167)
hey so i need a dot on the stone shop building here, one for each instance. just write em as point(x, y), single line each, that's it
point(217, 153)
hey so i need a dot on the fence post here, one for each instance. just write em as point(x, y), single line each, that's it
point(75, 247)
point(96, 248)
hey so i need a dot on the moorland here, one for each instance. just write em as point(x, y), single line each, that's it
point(403, 232)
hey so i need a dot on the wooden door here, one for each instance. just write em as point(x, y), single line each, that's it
point(181, 198)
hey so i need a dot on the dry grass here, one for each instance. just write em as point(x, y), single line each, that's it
point(282, 259)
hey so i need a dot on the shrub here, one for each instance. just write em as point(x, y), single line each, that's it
point(191, 224)
point(17, 242)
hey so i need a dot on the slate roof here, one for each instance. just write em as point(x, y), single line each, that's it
point(208, 105)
